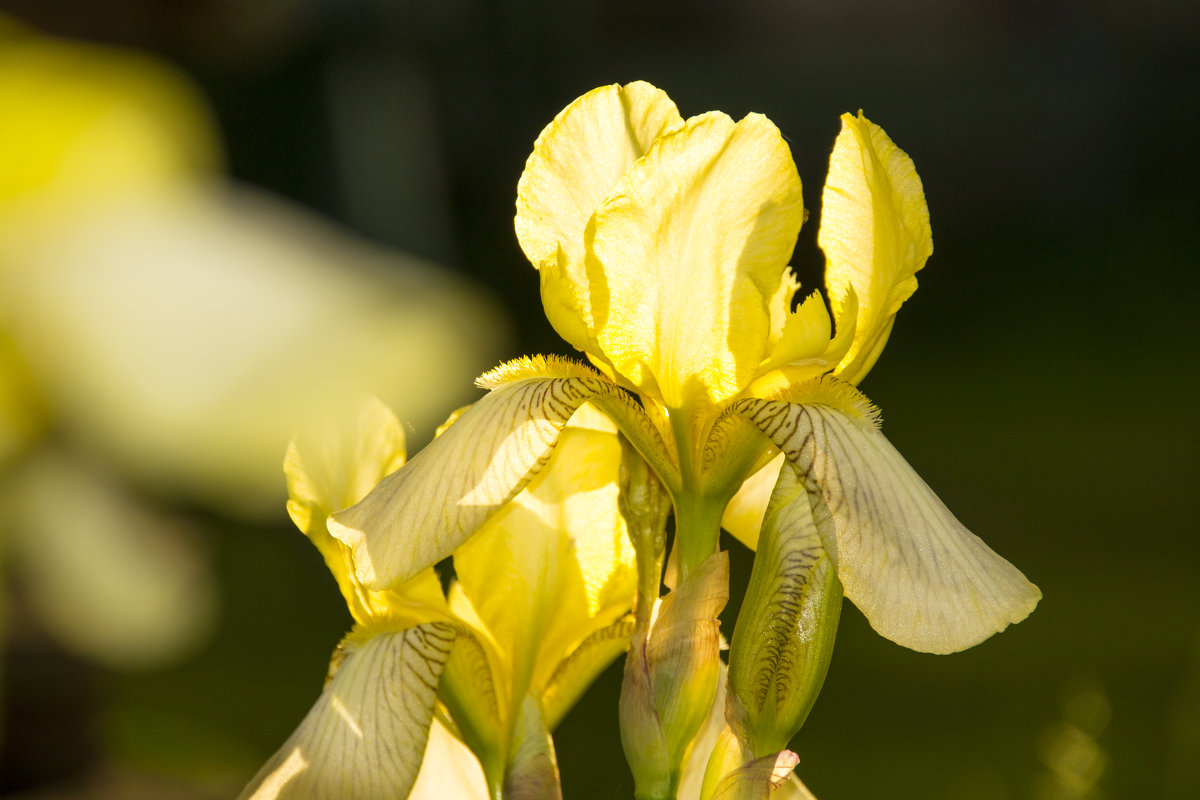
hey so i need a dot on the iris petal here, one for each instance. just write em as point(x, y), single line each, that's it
point(419, 514)
point(920, 577)
point(691, 245)
point(875, 234)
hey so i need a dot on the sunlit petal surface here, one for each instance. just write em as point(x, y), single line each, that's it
point(920, 577)
point(875, 234)
point(575, 163)
point(692, 243)
point(419, 514)
point(365, 737)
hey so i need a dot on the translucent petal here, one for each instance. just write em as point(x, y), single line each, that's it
point(419, 514)
point(586, 661)
point(691, 245)
point(555, 564)
point(575, 163)
point(334, 464)
point(805, 335)
point(365, 736)
point(920, 577)
point(449, 770)
point(875, 234)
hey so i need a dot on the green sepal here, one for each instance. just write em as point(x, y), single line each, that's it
point(784, 637)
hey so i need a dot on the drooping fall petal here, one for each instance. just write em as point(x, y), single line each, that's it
point(419, 514)
point(691, 245)
point(920, 577)
point(365, 737)
point(875, 234)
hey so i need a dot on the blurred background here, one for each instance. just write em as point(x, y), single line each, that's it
point(218, 219)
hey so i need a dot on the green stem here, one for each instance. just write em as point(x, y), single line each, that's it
point(697, 517)
point(697, 531)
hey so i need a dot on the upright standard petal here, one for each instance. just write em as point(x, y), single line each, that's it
point(365, 737)
point(576, 162)
point(921, 578)
point(691, 245)
point(334, 465)
point(875, 234)
point(419, 514)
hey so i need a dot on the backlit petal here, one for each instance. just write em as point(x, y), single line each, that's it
point(920, 577)
point(365, 736)
point(875, 234)
point(449, 770)
point(419, 514)
point(333, 465)
point(691, 245)
point(575, 163)
point(555, 564)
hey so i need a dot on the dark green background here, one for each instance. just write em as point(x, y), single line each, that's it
point(1043, 379)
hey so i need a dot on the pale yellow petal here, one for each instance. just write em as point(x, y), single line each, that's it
point(449, 770)
point(920, 577)
point(792, 789)
point(575, 163)
point(555, 564)
point(692, 244)
point(474, 689)
point(805, 334)
point(587, 659)
point(419, 514)
point(704, 745)
point(365, 736)
point(332, 464)
point(875, 234)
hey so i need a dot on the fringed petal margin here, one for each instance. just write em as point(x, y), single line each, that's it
point(419, 514)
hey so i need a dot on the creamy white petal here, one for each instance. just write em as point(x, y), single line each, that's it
point(419, 514)
point(450, 771)
point(365, 736)
point(920, 577)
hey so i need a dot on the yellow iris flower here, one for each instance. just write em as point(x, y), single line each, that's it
point(539, 608)
point(662, 246)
